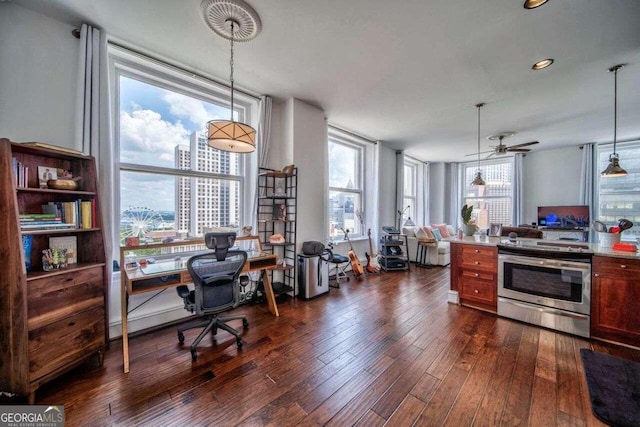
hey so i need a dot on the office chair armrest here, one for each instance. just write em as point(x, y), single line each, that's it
point(244, 280)
point(183, 291)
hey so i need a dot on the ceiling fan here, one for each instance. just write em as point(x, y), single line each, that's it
point(501, 148)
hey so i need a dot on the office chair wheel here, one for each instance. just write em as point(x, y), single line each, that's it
point(194, 354)
point(245, 323)
point(181, 337)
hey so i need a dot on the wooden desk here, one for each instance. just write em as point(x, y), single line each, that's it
point(170, 273)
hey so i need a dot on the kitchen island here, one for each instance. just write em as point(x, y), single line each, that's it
point(602, 296)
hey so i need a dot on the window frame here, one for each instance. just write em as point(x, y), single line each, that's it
point(133, 65)
point(340, 137)
point(604, 150)
point(463, 184)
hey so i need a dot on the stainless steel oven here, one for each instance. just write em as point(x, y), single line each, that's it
point(548, 286)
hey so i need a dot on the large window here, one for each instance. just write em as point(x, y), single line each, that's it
point(410, 197)
point(171, 183)
point(492, 203)
point(619, 197)
point(346, 192)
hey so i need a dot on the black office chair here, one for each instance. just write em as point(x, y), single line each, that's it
point(215, 277)
point(340, 265)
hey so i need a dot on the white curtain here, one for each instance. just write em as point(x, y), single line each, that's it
point(517, 196)
point(263, 139)
point(588, 181)
point(93, 124)
point(399, 187)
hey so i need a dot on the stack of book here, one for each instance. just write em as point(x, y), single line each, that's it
point(20, 173)
point(79, 213)
point(34, 222)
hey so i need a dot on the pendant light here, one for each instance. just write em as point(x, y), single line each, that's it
point(613, 168)
point(478, 179)
point(236, 21)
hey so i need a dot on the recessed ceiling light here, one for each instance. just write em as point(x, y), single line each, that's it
point(542, 64)
point(532, 4)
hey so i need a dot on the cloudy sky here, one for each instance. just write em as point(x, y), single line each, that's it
point(153, 121)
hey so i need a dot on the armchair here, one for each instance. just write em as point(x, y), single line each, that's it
point(215, 277)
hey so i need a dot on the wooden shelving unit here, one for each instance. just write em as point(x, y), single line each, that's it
point(277, 212)
point(51, 321)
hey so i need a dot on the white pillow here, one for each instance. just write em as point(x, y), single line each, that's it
point(420, 234)
point(452, 231)
point(409, 231)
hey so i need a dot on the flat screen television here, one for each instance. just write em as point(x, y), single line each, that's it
point(563, 217)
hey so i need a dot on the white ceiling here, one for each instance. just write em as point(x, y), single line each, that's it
point(409, 72)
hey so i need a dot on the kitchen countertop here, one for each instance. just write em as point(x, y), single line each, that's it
point(596, 248)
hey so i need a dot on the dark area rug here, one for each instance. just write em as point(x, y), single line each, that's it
point(614, 388)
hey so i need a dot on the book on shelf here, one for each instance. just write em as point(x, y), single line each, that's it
point(34, 227)
point(85, 214)
point(66, 242)
point(20, 174)
point(52, 147)
point(42, 216)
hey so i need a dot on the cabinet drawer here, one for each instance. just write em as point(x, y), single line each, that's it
point(480, 291)
point(50, 299)
point(602, 264)
point(481, 275)
point(479, 263)
point(56, 345)
point(469, 251)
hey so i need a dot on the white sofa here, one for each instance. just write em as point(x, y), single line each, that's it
point(436, 255)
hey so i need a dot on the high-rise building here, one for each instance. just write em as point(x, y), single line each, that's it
point(202, 203)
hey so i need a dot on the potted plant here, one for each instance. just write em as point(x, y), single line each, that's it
point(469, 228)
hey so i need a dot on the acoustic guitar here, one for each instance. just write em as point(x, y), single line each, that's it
point(356, 267)
point(372, 259)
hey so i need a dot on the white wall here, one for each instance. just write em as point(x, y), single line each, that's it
point(308, 136)
point(551, 177)
point(38, 73)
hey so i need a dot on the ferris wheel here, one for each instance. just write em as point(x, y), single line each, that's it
point(138, 221)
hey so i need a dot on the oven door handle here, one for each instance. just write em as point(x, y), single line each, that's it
point(544, 309)
point(545, 262)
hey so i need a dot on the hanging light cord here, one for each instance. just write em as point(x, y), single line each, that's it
point(615, 109)
point(479, 107)
point(231, 63)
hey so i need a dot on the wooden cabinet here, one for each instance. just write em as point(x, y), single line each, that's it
point(615, 296)
point(474, 275)
point(50, 321)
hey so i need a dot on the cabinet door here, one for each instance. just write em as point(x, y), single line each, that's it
point(52, 298)
point(614, 308)
point(479, 290)
point(66, 341)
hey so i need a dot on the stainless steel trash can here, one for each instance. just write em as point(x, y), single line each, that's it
point(313, 276)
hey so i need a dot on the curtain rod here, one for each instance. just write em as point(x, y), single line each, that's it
point(369, 140)
point(175, 67)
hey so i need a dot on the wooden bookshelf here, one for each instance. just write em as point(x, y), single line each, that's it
point(51, 321)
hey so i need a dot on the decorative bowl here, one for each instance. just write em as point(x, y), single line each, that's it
point(62, 184)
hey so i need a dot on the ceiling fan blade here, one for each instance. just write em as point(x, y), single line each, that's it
point(475, 154)
point(518, 150)
point(524, 144)
point(490, 155)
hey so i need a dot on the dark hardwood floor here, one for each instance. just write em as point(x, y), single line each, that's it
point(387, 349)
